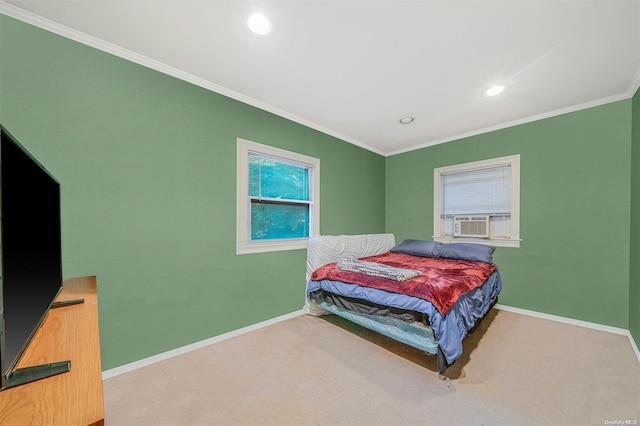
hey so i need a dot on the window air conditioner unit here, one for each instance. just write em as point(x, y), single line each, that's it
point(471, 226)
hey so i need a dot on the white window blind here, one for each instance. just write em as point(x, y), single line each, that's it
point(479, 191)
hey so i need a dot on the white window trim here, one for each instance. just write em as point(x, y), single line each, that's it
point(243, 243)
point(514, 162)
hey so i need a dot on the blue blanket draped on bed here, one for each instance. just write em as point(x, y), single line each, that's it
point(449, 329)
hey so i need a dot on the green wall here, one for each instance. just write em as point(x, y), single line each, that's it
point(147, 166)
point(634, 276)
point(575, 209)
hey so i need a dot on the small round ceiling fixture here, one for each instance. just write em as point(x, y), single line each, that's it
point(259, 24)
point(494, 90)
point(406, 120)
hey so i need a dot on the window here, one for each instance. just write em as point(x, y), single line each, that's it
point(478, 202)
point(278, 195)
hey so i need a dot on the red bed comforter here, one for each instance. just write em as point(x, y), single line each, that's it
point(442, 281)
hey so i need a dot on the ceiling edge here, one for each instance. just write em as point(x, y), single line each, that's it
point(635, 84)
point(83, 38)
point(560, 111)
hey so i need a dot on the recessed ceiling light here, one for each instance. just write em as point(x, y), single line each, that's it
point(259, 24)
point(406, 120)
point(494, 90)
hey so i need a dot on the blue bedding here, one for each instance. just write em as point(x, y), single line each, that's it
point(449, 329)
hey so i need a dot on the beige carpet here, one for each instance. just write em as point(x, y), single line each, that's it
point(517, 370)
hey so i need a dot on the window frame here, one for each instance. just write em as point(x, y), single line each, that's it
point(514, 239)
point(244, 244)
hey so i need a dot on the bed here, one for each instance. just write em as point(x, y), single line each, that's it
point(425, 294)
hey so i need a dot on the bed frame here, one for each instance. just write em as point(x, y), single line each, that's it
point(412, 334)
point(328, 249)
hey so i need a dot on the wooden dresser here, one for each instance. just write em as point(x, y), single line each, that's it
point(67, 333)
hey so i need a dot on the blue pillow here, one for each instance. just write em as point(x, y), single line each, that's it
point(466, 251)
point(418, 248)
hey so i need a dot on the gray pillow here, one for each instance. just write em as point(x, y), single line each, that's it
point(418, 248)
point(466, 251)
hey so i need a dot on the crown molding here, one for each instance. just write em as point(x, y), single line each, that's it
point(554, 113)
point(635, 84)
point(64, 31)
point(83, 38)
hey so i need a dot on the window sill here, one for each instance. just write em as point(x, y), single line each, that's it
point(494, 242)
point(272, 245)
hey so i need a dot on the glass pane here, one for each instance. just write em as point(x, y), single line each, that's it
point(254, 175)
point(272, 221)
point(269, 177)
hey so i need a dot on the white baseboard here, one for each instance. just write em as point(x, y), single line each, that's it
point(203, 343)
point(192, 347)
point(580, 323)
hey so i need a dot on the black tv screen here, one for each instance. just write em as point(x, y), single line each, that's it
point(30, 256)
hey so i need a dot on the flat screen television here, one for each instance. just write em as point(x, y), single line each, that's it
point(30, 258)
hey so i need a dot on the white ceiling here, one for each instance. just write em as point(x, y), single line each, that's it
point(353, 68)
